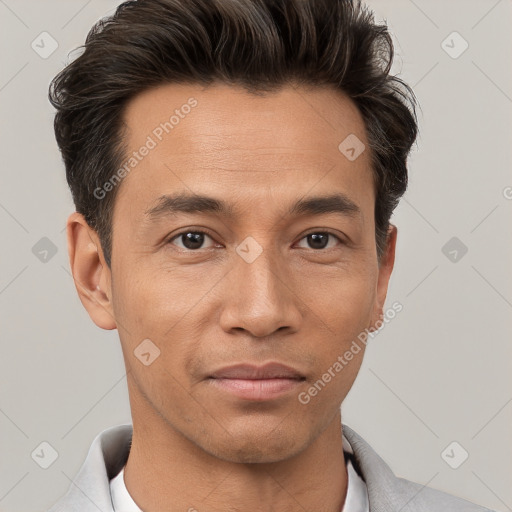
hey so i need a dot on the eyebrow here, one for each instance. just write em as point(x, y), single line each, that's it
point(170, 205)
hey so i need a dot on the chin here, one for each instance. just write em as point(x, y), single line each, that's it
point(261, 446)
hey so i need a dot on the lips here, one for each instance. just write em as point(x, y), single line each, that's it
point(271, 370)
point(249, 382)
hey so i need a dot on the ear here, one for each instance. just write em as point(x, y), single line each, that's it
point(385, 268)
point(90, 272)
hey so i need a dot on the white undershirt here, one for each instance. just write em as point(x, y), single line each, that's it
point(356, 500)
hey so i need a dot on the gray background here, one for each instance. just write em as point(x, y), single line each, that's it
point(438, 373)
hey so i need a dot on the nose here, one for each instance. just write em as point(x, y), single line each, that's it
point(261, 297)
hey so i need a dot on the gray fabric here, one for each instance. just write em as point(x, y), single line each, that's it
point(388, 493)
point(109, 451)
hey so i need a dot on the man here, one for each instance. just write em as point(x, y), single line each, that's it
point(234, 166)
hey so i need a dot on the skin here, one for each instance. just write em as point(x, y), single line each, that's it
point(195, 446)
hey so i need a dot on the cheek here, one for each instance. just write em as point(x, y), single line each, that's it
point(148, 299)
point(163, 310)
point(342, 310)
point(334, 378)
point(342, 298)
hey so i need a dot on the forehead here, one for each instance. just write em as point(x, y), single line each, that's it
point(229, 141)
point(221, 108)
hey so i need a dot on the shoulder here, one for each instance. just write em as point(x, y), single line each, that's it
point(419, 498)
point(90, 489)
point(389, 493)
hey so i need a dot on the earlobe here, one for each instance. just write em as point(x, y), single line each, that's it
point(90, 272)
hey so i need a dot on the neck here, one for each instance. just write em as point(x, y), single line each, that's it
point(166, 471)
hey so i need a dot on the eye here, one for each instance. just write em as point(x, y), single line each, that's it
point(193, 240)
point(320, 239)
point(190, 240)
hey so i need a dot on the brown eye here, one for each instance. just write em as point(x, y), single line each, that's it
point(319, 240)
point(190, 240)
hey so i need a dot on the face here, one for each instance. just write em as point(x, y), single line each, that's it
point(242, 236)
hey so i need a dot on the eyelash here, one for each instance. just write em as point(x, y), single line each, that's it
point(316, 231)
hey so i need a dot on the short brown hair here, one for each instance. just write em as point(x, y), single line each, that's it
point(261, 45)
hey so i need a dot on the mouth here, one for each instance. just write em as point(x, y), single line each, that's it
point(257, 383)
